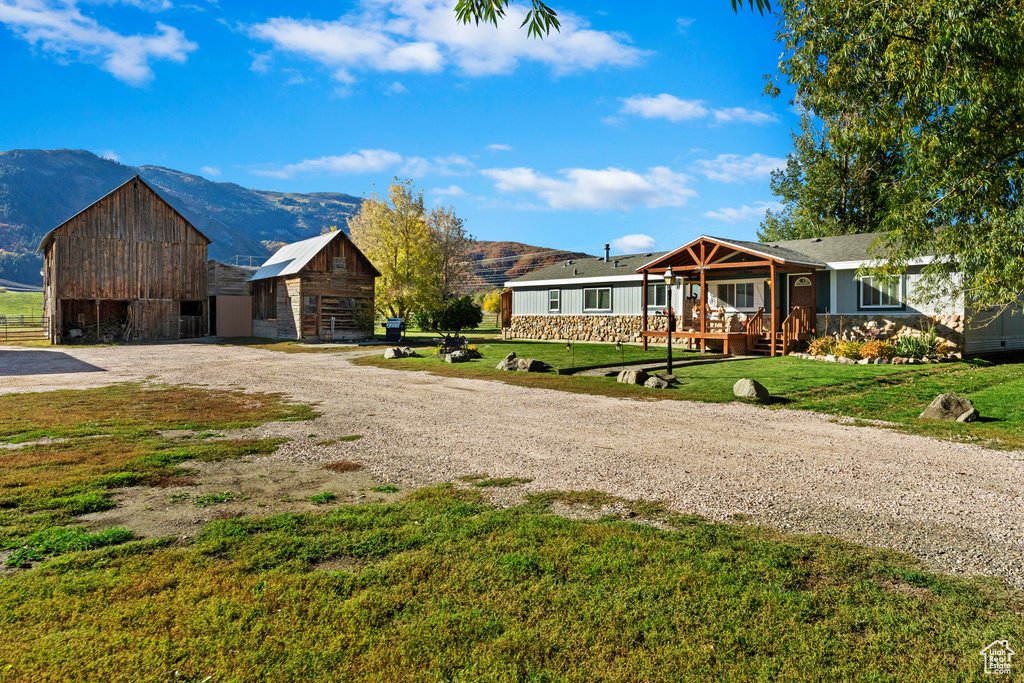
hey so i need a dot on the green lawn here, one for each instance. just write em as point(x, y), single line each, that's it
point(894, 393)
point(21, 303)
point(443, 588)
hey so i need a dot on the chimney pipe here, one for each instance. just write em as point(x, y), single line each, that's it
point(607, 252)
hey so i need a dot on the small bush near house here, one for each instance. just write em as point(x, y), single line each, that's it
point(928, 344)
point(874, 348)
point(848, 349)
point(822, 346)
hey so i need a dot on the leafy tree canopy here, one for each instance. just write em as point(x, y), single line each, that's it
point(936, 89)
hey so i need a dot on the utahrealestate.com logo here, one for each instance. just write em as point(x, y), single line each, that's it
point(998, 657)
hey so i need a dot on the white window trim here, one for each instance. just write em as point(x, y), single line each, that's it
point(901, 287)
point(597, 310)
point(668, 294)
point(718, 303)
point(557, 300)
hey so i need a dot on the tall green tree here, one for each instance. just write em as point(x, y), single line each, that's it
point(939, 84)
point(450, 251)
point(828, 189)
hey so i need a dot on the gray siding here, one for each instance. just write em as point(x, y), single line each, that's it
point(1004, 333)
point(626, 300)
point(848, 293)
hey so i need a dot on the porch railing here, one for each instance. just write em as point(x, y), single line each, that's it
point(755, 328)
point(796, 325)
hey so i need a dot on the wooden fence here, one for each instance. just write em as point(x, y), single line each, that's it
point(24, 328)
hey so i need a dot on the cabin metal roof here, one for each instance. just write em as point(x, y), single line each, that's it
point(292, 258)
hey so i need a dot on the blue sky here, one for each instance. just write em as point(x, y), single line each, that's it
point(643, 128)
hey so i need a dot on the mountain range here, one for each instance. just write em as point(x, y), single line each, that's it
point(40, 189)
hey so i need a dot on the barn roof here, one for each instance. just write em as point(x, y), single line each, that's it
point(292, 258)
point(48, 237)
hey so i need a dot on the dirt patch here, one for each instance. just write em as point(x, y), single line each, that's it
point(339, 564)
point(255, 487)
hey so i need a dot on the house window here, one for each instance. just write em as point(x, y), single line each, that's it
point(656, 296)
point(309, 305)
point(738, 296)
point(340, 264)
point(879, 293)
point(554, 300)
point(597, 299)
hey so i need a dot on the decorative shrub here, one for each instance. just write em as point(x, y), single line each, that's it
point(874, 348)
point(822, 346)
point(847, 349)
point(927, 345)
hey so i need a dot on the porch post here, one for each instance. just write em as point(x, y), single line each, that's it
point(814, 302)
point(703, 303)
point(643, 311)
point(775, 306)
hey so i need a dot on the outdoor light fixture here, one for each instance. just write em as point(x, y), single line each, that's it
point(670, 279)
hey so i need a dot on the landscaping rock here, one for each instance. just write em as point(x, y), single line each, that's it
point(881, 361)
point(655, 382)
point(830, 358)
point(633, 377)
point(460, 356)
point(951, 408)
point(393, 352)
point(864, 361)
point(508, 363)
point(751, 390)
point(531, 365)
point(846, 361)
point(409, 353)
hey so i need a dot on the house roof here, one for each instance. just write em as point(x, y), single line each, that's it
point(292, 258)
point(48, 237)
point(816, 252)
point(589, 267)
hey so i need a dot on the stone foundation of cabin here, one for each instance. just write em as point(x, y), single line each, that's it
point(948, 328)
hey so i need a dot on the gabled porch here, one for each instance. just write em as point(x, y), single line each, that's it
point(733, 294)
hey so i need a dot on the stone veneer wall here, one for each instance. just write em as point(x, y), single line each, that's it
point(948, 328)
point(597, 328)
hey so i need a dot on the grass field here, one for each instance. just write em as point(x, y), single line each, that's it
point(438, 586)
point(894, 393)
point(21, 303)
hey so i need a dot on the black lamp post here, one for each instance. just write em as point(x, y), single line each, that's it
point(670, 279)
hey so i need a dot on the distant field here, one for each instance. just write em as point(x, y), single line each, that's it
point(21, 303)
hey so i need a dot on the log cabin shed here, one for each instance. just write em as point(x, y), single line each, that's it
point(314, 290)
point(127, 267)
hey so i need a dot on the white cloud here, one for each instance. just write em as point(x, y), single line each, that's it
point(261, 62)
point(451, 191)
point(363, 161)
point(631, 244)
point(211, 171)
point(373, 161)
point(396, 88)
point(59, 28)
point(744, 115)
point(499, 148)
point(683, 23)
point(424, 36)
point(674, 109)
point(110, 154)
point(734, 168)
point(743, 213)
point(664, 106)
point(610, 188)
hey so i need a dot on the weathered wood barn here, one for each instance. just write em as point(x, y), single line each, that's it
point(229, 302)
point(320, 289)
point(127, 267)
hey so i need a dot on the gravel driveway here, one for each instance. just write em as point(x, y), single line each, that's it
point(958, 507)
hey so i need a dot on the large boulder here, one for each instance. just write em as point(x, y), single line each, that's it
point(633, 377)
point(951, 408)
point(508, 363)
point(751, 390)
point(460, 356)
point(393, 352)
point(409, 353)
point(531, 365)
point(655, 382)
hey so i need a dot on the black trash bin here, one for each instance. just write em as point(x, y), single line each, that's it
point(393, 329)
